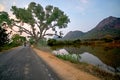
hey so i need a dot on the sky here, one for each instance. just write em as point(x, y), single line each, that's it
point(84, 14)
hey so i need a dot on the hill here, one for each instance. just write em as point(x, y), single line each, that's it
point(109, 26)
point(72, 35)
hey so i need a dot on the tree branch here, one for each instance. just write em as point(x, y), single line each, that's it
point(24, 29)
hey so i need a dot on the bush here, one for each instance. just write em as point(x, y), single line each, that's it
point(77, 41)
point(9, 46)
point(51, 42)
point(32, 41)
point(42, 43)
point(107, 40)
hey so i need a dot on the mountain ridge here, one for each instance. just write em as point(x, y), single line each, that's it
point(108, 26)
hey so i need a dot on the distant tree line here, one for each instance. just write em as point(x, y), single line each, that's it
point(53, 42)
point(107, 39)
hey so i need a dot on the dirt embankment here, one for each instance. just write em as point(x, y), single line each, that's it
point(64, 70)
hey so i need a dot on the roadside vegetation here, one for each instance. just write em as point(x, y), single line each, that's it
point(15, 41)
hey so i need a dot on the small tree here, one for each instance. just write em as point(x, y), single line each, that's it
point(4, 20)
point(51, 42)
point(17, 39)
point(31, 40)
point(39, 20)
point(3, 37)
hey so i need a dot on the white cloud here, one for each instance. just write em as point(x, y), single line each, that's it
point(2, 7)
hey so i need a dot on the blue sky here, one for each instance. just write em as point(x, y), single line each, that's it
point(84, 14)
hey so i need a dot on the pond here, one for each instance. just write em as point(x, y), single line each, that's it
point(106, 58)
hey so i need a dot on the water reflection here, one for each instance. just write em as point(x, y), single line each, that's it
point(91, 59)
point(104, 57)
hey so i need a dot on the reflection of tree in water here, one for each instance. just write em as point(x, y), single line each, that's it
point(113, 58)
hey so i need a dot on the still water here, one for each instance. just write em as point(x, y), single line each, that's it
point(106, 58)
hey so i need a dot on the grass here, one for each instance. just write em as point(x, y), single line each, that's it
point(69, 57)
point(5, 48)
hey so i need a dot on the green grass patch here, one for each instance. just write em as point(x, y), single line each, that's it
point(69, 57)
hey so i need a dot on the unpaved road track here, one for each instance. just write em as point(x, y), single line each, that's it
point(23, 64)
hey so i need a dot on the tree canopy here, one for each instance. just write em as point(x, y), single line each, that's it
point(4, 19)
point(39, 19)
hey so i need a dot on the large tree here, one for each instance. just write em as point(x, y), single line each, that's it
point(39, 19)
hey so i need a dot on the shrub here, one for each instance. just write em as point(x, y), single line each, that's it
point(51, 42)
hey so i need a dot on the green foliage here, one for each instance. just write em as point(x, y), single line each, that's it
point(69, 57)
point(4, 18)
point(31, 40)
point(17, 39)
point(77, 41)
point(53, 42)
point(23, 14)
point(42, 43)
point(3, 37)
